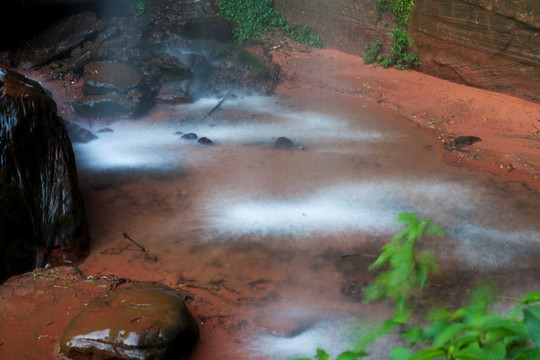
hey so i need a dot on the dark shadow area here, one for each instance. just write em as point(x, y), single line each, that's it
point(22, 21)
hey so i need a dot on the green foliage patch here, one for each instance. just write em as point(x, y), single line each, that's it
point(401, 9)
point(473, 332)
point(399, 55)
point(254, 17)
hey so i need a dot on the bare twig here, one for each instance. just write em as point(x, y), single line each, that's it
point(147, 253)
point(218, 105)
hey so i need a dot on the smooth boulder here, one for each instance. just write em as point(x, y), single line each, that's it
point(141, 321)
point(42, 217)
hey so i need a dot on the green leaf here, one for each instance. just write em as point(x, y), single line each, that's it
point(532, 320)
point(413, 335)
point(435, 328)
point(448, 333)
point(466, 340)
point(322, 355)
point(495, 351)
point(352, 355)
point(427, 354)
point(399, 353)
point(530, 298)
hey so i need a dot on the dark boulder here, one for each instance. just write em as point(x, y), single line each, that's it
point(283, 143)
point(189, 137)
point(104, 106)
point(176, 92)
point(104, 78)
point(41, 208)
point(205, 141)
point(78, 134)
point(209, 28)
point(140, 321)
point(60, 39)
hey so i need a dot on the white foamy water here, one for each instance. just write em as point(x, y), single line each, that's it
point(349, 180)
point(369, 207)
point(147, 144)
point(334, 335)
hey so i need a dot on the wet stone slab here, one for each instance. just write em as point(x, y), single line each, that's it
point(141, 321)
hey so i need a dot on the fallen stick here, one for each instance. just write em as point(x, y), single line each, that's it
point(218, 105)
point(147, 253)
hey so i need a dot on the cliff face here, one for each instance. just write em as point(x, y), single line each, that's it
point(346, 25)
point(491, 44)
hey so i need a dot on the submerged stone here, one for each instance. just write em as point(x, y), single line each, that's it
point(205, 141)
point(283, 143)
point(41, 208)
point(189, 136)
point(104, 106)
point(78, 134)
point(141, 321)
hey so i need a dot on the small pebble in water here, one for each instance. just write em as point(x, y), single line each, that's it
point(205, 141)
point(190, 136)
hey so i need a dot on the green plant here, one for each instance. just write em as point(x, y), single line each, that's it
point(373, 53)
point(399, 55)
point(303, 35)
point(139, 5)
point(401, 9)
point(252, 17)
point(472, 332)
point(398, 52)
point(407, 268)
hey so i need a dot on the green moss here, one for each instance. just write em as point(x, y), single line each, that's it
point(254, 17)
point(246, 58)
point(400, 58)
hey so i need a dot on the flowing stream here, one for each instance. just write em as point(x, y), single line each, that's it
point(271, 245)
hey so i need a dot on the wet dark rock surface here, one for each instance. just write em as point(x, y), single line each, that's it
point(59, 39)
point(103, 78)
point(205, 141)
point(78, 134)
point(283, 143)
point(41, 209)
point(168, 52)
point(139, 321)
point(189, 137)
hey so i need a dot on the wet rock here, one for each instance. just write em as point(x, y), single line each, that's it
point(41, 208)
point(103, 78)
point(176, 92)
point(167, 68)
point(209, 28)
point(283, 143)
point(140, 321)
point(461, 141)
point(105, 130)
point(59, 39)
point(104, 106)
point(189, 136)
point(78, 134)
point(205, 141)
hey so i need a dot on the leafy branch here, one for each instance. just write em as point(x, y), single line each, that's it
point(472, 332)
